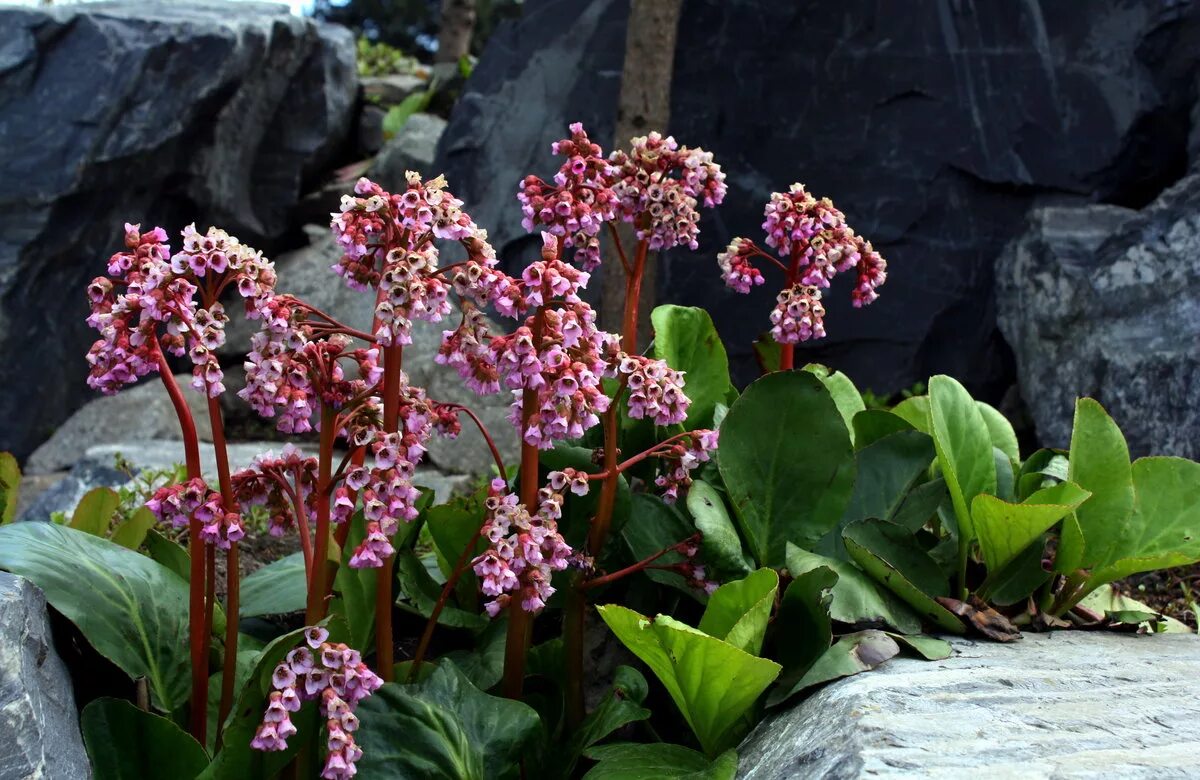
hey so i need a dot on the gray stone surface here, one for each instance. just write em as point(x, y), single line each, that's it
point(305, 274)
point(64, 495)
point(143, 411)
point(143, 111)
point(39, 725)
point(1069, 704)
point(391, 89)
point(1105, 302)
point(934, 126)
point(412, 149)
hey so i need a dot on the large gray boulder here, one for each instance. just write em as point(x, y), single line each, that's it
point(1104, 301)
point(412, 149)
point(1069, 704)
point(39, 725)
point(935, 126)
point(142, 111)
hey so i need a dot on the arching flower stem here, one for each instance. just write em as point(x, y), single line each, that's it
point(393, 357)
point(315, 610)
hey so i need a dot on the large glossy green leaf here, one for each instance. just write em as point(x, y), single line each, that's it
point(132, 532)
point(712, 682)
point(1041, 469)
point(621, 706)
point(95, 511)
point(804, 630)
point(1098, 463)
point(126, 743)
point(169, 554)
point(484, 663)
point(890, 554)
point(659, 761)
point(653, 527)
point(856, 598)
point(846, 397)
point(1005, 529)
point(787, 463)
point(738, 611)
point(964, 448)
point(920, 504)
point(423, 592)
point(578, 511)
point(873, 424)
point(1000, 431)
point(133, 610)
point(1163, 531)
point(278, 588)
point(721, 545)
point(851, 654)
point(686, 338)
point(887, 470)
point(914, 411)
point(443, 727)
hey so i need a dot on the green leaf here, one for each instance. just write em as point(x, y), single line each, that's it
point(10, 487)
point(928, 647)
point(1164, 529)
point(443, 727)
point(95, 511)
point(892, 557)
point(279, 588)
point(452, 525)
point(845, 395)
point(1005, 529)
point(621, 706)
point(423, 593)
point(856, 598)
point(1099, 463)
point(964, 449)
point(125, 743)
point(721, 545)
point(915, 411)
point(920, 505)
point(657, 527)
point(1042, 469)
point(712, 682)
point(686, 338)
point(871, 425)
point(887, 471)
point(132, 610)
point(484, 664)
point(1000, 431)
point(659, 761)
point(169, 554)
point(1123, 609)
point(787, 463)
point(132, 532)
point(356, 587)
point(806, 630)
point(578, 511)
point(738, 612)
point(853, 653)
point(398, 115)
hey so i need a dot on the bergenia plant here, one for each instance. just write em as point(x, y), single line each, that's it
point(816, 244)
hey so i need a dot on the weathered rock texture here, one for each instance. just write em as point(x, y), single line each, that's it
point(154, 112)
point(39, 726)
point(934, 125)
point(412, 149)
point(1105, 302)
point(1060, 705)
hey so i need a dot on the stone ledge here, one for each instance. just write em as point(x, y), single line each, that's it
point(1069, 704)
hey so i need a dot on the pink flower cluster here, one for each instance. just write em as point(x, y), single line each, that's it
point(655, 389)
point(336, 677)
point(387, 240)
point(389, 497)
point(161, 289)
point(817, 244)
point(696, 574)
point(523, 551)
point(190, 501)
point(798, 315)
point(682, 459)
point(578, 202)
point(284, 484)
point(659, 185)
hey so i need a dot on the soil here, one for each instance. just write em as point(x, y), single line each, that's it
point(256, 550)
point(1167, 591)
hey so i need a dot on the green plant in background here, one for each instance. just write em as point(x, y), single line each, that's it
point(380, 59)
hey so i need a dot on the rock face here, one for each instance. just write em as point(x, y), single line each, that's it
point(39, 726)
point(412, 149)
point(1105, 302)
point(154, 112)
point(142, 411)
point(1061, 705)
point(934, 126)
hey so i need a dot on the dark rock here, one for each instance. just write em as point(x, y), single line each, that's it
point(392, 89)
point(65, 494)
point(412, 149)
point(934, 126)
point(1105, 302)
point(370, 129)
point(154, 112)
point(39, 725)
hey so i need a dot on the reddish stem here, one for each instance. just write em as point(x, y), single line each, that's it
point(787, 352)
point(232, 575)
point(197, 638)
point(315, 611)
point(393, 357)
point(642, 564)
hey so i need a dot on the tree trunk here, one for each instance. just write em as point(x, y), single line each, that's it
point(457, 27)
point(644, 105)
